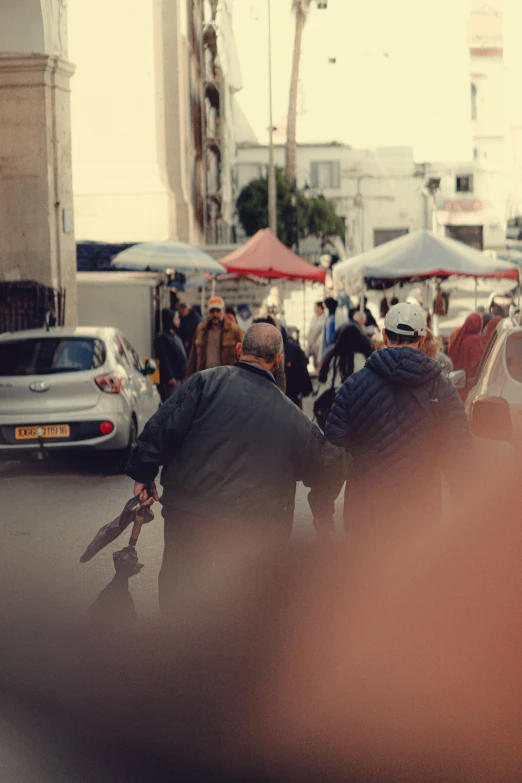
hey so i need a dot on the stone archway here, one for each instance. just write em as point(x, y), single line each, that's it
point(37, 238)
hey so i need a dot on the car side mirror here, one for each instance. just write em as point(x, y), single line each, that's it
point(458, 378)
point(490, 418)
point(150, 367)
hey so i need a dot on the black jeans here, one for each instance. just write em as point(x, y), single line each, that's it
point(194, 543)
point(188, 555)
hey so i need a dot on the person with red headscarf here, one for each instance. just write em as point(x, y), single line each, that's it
point(467, 348)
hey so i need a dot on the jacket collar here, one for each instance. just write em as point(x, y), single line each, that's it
point(208, 324)
point(226, 325)
point(257, 370)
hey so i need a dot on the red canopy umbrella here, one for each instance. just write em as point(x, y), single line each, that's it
point(264, 255)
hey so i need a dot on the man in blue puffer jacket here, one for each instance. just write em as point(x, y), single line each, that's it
point(403, 423)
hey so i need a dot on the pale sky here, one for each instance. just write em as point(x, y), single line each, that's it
point(401, 76)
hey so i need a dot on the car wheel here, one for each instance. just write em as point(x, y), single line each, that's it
point(123, 456)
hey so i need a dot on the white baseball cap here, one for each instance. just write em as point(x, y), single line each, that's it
point(408, 319)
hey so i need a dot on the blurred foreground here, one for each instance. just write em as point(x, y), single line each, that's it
point(392, 657)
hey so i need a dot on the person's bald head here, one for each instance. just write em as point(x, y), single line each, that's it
point(262, 345)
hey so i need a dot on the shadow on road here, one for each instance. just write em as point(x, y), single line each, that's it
point(84, 464)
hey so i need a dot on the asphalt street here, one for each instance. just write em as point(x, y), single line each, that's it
point(51, 511)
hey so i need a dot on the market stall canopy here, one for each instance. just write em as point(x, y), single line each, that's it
point(421, 254)
point(264, 255)
point(167, 255)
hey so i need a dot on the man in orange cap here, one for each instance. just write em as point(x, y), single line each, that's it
point(215, 341)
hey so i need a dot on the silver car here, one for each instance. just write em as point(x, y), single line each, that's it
point(494, 404)
point(71, 388)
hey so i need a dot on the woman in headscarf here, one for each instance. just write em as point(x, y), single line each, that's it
point(349, 353)
point(467, 348)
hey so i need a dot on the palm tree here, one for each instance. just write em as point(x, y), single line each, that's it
point(300, 8)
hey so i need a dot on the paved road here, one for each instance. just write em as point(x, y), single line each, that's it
point(51, 511)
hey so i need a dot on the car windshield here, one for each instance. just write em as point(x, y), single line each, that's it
point(46, 355)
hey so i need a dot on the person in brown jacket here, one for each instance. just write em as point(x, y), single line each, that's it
point(215, 340)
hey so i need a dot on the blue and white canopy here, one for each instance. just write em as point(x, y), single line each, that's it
point(170, 255)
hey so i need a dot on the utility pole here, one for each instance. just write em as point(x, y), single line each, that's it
point(296, 218)
point(272, 193)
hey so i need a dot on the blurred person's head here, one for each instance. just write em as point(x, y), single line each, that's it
point(348, 341)
point(360, 317)
point(473, 324)
point(331, 305)
point(319, 308)
point(262, 345)
point(431, 345)
point(183, 310)
point(216, 310)
point(269, 319)
point(167, 319)
point(230, 313)
point(243, 311)
point(405, 326)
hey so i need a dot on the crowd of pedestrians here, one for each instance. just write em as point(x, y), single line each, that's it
point(232, 439)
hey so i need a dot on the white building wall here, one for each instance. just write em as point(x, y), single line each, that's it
point(513, 105)
point(119, 194)
point(384, 178)
point(488, 114)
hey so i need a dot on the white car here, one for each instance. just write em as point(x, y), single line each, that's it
point(71, 388)
point(494, 404)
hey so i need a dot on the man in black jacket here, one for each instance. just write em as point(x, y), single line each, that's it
point(171, 355)
point(190, 321)
point(232, 447)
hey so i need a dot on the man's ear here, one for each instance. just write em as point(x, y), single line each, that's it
point(238, 351)
point(421, 342)
point(277, 361)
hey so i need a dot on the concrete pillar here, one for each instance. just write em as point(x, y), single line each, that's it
point(36, 218)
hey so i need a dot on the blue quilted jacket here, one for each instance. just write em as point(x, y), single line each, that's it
point(400, 418)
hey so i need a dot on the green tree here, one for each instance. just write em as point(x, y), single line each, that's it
point(317, 215)
point(323, 218)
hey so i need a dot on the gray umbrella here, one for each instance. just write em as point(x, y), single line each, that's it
point(110, 532)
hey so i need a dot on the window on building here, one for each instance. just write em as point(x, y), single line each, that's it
point(383, 235)
point(464, 183)
point(475, 153)
point(474, 102)
point(325, 174)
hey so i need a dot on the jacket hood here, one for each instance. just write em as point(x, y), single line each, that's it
point(404, 366)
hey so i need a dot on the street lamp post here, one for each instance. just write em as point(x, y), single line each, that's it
point(295, 203)
point(296, 218)
point(272, 192)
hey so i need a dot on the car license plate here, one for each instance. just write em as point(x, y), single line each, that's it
point(47, 431)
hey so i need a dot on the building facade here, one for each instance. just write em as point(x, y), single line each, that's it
point(472, 201)
point(37, 237)
point(379, 192)
point(152, 140)
point(384, 192)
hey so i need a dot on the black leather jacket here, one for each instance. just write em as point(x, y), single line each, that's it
point(232, 446)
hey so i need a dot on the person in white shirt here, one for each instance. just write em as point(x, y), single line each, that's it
point(315, 339)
